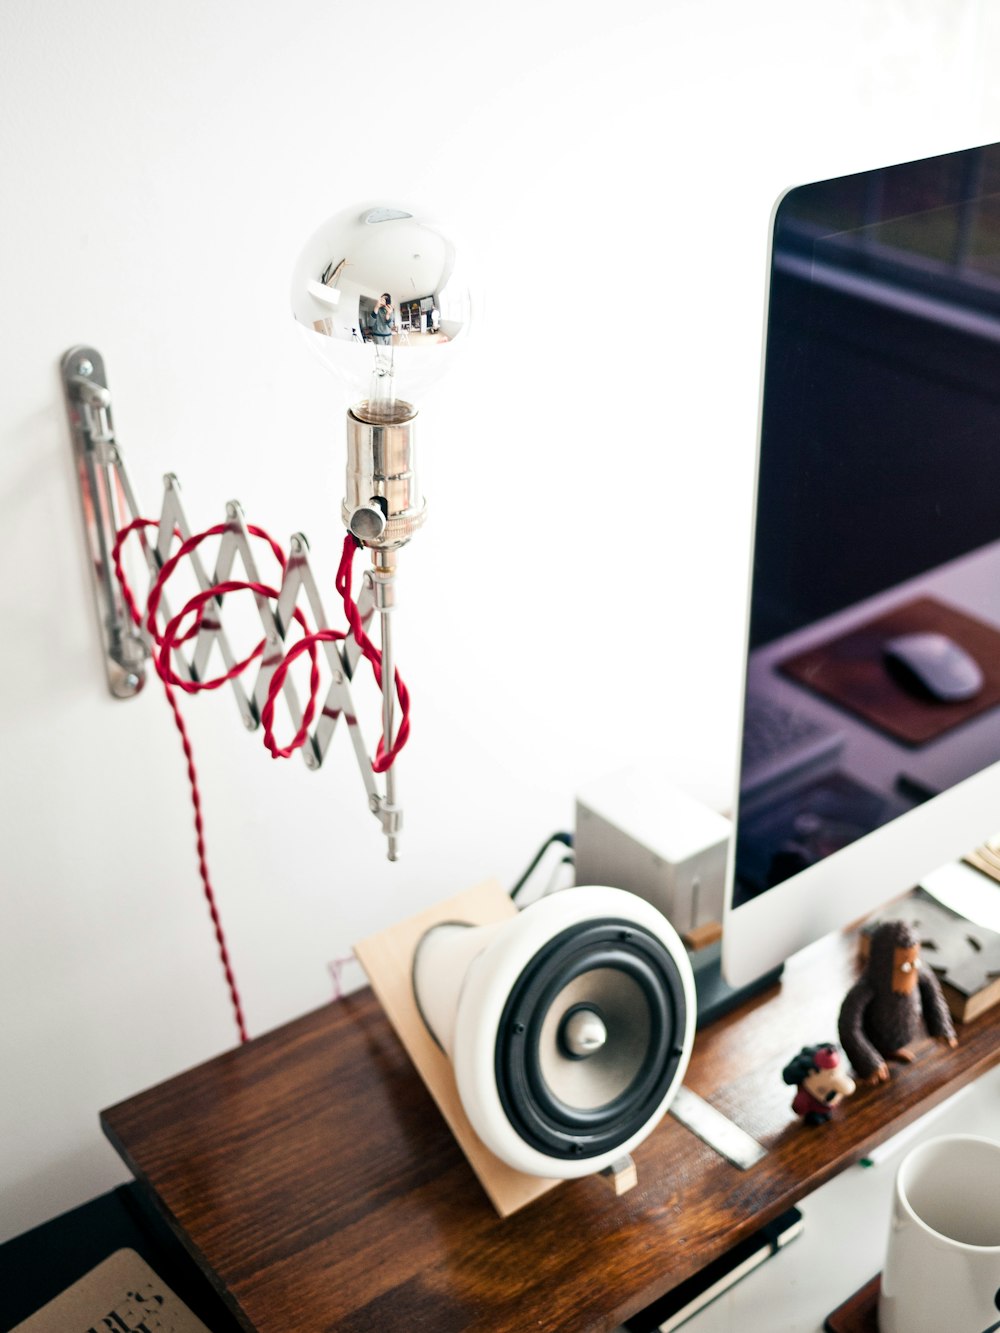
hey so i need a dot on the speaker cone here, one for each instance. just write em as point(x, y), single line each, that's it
point(574, 1105)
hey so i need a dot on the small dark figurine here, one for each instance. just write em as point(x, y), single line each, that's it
point(821, 1080)
point(886, 1009)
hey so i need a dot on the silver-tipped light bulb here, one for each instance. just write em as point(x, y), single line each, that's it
point(380, 293)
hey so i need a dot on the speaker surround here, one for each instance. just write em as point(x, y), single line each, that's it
point(569, 1026)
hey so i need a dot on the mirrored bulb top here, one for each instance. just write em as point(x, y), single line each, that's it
point(380, 293)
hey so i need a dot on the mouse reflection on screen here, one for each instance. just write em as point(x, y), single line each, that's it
point(933, 665)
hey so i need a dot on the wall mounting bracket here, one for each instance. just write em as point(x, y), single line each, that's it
point(95, 452)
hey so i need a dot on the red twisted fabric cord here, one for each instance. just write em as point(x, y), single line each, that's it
point(199, 828)
point(383, 758)
point(192, 772)
point(171, 639)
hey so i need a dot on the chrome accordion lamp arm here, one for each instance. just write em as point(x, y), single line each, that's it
point(109, 508)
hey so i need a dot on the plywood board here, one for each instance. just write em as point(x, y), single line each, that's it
point(388, 961)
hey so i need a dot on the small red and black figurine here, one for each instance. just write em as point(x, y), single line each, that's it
point(893, 1000)
point(821, 1080)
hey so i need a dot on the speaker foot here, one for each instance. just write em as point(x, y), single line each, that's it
point(621, 1174)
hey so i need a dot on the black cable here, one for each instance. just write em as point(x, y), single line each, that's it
point(567, 841)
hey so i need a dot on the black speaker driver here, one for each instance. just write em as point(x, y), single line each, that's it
point(573, 1107)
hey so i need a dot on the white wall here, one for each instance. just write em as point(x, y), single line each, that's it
point(576, 600)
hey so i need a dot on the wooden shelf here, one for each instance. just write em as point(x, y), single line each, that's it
point(312, 1177)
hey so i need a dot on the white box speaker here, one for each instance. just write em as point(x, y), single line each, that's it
point(636, 832)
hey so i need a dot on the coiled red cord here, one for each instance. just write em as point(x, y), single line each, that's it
point(172, 638)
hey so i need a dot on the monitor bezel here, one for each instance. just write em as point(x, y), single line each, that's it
point(759, 935)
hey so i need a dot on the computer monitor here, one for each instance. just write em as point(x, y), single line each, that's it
point(871, 717)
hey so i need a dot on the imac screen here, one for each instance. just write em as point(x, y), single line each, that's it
point(873, 669)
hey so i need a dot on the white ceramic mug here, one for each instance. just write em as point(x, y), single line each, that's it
point(942, 1268)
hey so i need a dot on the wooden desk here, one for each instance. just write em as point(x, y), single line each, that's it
point(311, 1176)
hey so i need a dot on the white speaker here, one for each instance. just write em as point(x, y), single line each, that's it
point(569, 1026)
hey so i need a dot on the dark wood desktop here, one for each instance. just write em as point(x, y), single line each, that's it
point(311, 1176)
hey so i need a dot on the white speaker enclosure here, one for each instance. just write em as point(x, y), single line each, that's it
point(484, 993)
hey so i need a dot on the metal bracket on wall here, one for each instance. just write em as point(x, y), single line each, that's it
point(88, 405)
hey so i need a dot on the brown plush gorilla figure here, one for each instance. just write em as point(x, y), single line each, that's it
point(890, 1004)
